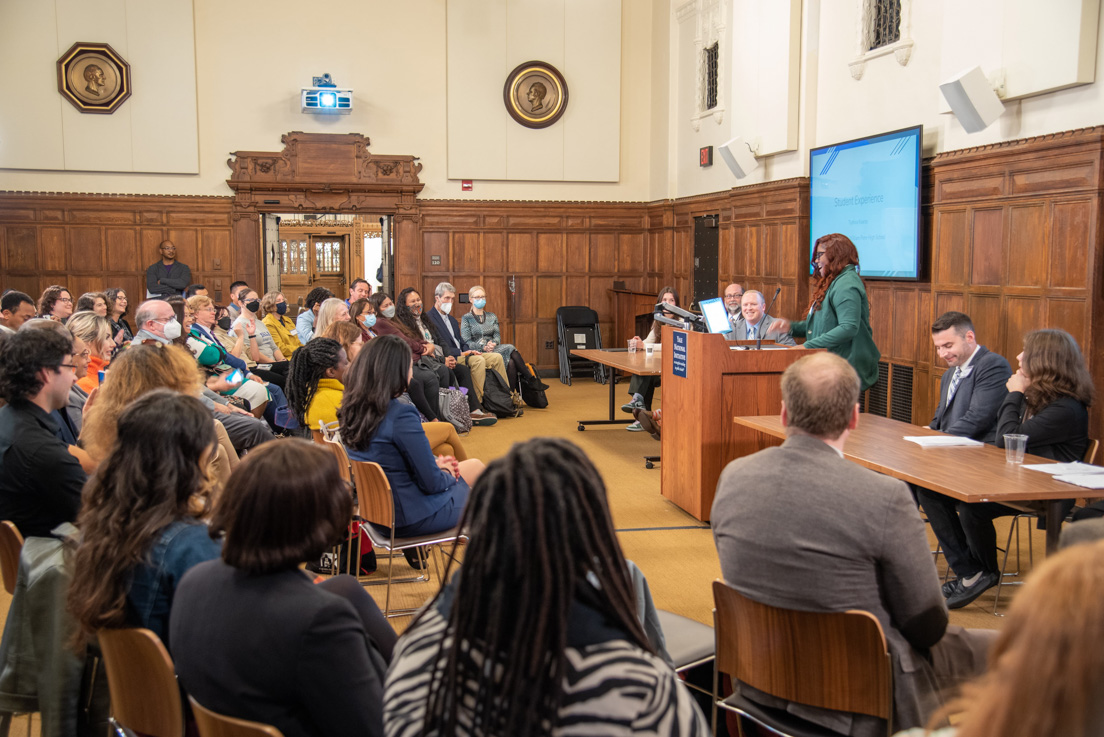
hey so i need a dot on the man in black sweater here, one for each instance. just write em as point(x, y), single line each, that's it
point(168, 276)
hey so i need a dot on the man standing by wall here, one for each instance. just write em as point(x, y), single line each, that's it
point(168, 276)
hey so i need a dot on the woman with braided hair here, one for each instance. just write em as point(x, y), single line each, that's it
point(314, 382)
point(538, 634)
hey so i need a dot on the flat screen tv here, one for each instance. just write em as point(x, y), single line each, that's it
point(869, 190)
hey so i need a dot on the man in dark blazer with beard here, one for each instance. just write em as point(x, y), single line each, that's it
point(970, 394)
point(801, 527)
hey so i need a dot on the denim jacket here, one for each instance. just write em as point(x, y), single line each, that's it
point(181, 545)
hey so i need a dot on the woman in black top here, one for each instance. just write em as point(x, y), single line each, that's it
point(116, 312)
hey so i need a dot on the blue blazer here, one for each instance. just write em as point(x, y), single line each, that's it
point(443, 333)
point(400, 446)
point(973, 409)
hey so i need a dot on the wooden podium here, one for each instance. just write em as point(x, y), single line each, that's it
point(700, 435)
point(626, 306)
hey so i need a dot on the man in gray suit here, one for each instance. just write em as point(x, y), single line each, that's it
point(756, 323)
point(970, 394)
point(800, 527)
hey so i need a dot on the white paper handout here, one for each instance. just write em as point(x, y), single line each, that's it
point(941, 441)
point(1075, 468)
point(1087, 480)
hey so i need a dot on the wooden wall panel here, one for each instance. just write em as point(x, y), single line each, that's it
point(1027, 245)
point(96, 242)
point(1070, 244)
point(987, 229)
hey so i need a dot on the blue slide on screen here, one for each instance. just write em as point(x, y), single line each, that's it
point(869, 190)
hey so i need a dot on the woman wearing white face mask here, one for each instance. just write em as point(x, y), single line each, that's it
point(479, 328)
point(280, 326)
point(260, 351)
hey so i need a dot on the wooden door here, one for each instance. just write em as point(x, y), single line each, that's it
point(309, 261)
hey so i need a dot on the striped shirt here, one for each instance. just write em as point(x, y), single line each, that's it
point(610, 688)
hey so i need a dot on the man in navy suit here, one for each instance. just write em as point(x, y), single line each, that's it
point(448, 328)
point(970, 393)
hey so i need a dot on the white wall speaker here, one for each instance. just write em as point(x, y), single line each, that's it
point(973, 100)
point(739, 157)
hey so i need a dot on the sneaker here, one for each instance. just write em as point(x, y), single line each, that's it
point(478, 414)
point(635, 427)
point(964, 594)
point(949, 587)
point(634, 404)
point(484, 421)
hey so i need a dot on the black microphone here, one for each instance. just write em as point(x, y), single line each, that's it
point(759, 334)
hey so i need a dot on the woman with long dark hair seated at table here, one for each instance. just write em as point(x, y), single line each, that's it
point(140, 515)
point(538, 633)
point(1048, 400)
point(376, 426)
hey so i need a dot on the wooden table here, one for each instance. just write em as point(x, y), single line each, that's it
point(619, 359)
point(968, 474)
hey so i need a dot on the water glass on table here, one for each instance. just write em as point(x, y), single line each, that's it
point(1014, 447)
point(632, 346)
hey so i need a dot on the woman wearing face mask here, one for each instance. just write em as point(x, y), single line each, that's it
point(259, 350)
point(363, 315)
point(220, 364)
point(281, 327)
point(429, 375)
point(479, 328)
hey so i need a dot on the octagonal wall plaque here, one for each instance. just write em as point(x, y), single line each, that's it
point(93, 77)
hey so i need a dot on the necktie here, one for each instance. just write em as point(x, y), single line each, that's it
point(954, 383)
point(751, 332)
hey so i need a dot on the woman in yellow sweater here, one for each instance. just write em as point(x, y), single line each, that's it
point(281, 327)
point(315, 388)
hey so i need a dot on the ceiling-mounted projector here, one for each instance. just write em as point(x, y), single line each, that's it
point(325, 97)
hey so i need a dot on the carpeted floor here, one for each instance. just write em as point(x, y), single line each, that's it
point(673, 549)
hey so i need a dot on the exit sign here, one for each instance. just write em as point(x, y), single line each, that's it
point(705, 156)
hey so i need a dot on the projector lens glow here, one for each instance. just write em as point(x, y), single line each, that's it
point(327, 99)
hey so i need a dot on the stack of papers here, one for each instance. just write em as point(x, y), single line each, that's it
point(1087, 480)
point(942, 441)
point(1067, 469)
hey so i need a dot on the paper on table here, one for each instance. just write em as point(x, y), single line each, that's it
point(941, 441)
point(1087, 480)
point(1075, 468)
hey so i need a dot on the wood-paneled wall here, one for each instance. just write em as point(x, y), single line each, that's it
point(95, 242)
point(557, 254)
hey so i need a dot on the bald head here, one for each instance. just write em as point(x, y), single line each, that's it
point(152, 315)
point(819, 396)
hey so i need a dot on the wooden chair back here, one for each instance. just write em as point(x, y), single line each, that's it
point(316, 436)
point(11, 545)
point(342, 459)
point(374, 500)
point(211, 724)
point(832, 660)
point(144, 695)
point(1090, 454)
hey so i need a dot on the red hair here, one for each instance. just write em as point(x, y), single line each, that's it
point(840, 253)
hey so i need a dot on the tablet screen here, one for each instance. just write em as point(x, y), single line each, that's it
point(716, 316)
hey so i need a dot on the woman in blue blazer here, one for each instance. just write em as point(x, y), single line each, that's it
point(429, 491)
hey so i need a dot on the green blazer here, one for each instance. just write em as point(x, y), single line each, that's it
point(842, 325)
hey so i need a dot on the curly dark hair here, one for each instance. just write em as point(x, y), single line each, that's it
point(317, 296)
point(25, 354)
point(406, 317)
point(308, 366)
point(50, 296)
point(151, 478)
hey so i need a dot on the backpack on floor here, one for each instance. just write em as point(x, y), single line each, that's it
point(532, 388)
point(496, 397)
point(454, 408)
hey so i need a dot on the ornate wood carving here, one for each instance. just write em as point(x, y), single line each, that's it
point(322, 172)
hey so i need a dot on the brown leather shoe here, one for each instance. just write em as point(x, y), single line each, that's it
point(644, 417)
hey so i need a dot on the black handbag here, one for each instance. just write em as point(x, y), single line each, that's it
point(532, 388)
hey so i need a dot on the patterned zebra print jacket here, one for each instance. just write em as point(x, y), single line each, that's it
point(611, 688)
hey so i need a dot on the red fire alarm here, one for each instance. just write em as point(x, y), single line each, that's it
point(705, 156)
point(465, 185)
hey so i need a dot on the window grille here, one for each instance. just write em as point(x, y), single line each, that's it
point(710, 56)
point(885, 23)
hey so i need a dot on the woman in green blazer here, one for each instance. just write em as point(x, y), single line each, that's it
point(839, 313)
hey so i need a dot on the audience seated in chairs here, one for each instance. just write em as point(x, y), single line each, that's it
point(71, 419)
point(314, 386)
point(140, 528)
point(116, 312)
point(347, 334)
point(479, 328)
point(538, 633)
point(409, 312)
point(251, 636)
point(449, 338)
point(363, 314)
point(259, 347)
point(56, 303)
point(1047, 663)
point(376, 426)
point(92, 302)
point(430, 375)
point(95, 332)
point(274, 315)
point(213, 356)
point(1047, 400)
